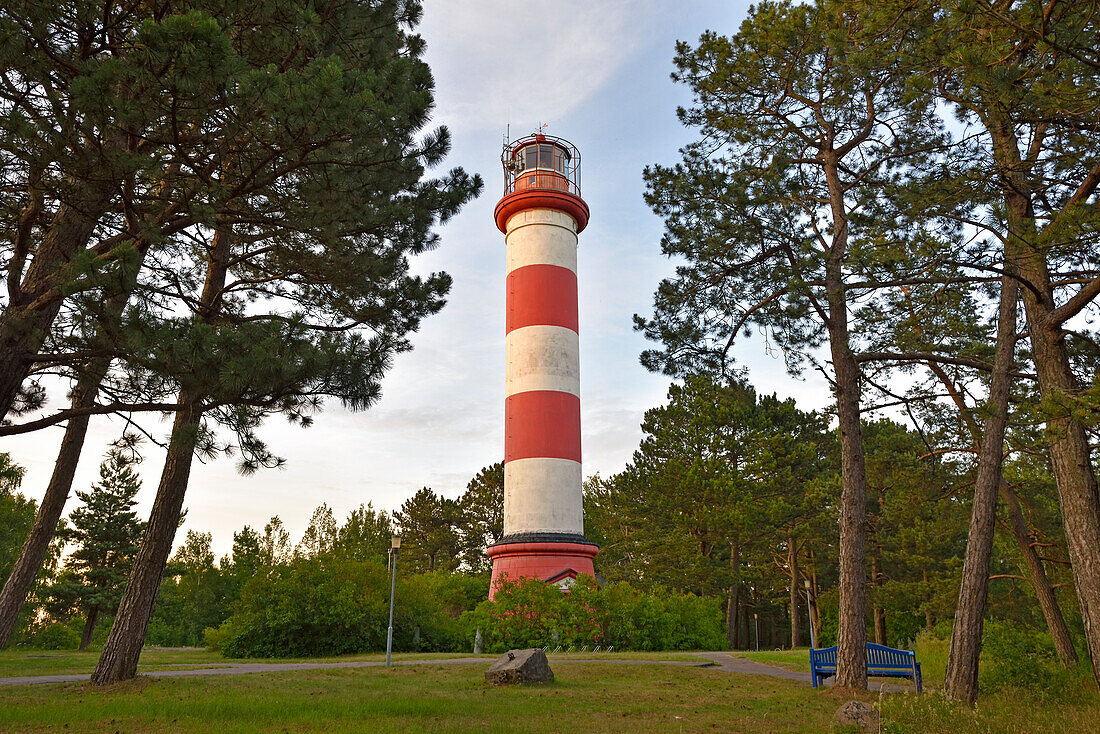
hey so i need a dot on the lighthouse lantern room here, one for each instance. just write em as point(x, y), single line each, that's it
point(541, 213)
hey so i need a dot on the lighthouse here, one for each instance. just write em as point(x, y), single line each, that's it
point(541, 214)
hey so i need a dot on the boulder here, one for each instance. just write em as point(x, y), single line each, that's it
point(520, 667)
point(857, 714)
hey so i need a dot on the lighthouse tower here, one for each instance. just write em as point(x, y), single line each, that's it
point(541, 214)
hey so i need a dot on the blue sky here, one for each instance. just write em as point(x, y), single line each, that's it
point(596, 73)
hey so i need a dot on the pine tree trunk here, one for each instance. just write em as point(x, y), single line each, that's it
point(1033, 565)
point(1073, 472)
point(961, 681)
point(928, 620)
point(792, 555)
point(851, 654)
point(89, 628)
point(1069, 446)
point(852, 612)
point(815, 610)
point(733, 603)
point(34, 549)
point(120, 654)
point(879, 612)
point(1037, 575)
point(123, 648)
point(28, 317)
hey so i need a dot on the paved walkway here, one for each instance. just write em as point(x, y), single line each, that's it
point(734, 664)
point(714, 660)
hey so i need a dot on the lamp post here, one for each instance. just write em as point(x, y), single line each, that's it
point(756, 623)
point(810, 613)
point(395, 545)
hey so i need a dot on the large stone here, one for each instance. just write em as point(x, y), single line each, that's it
point(520, 667)
point(857, 714)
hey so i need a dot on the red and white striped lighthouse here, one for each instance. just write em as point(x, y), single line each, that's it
point(541, 214)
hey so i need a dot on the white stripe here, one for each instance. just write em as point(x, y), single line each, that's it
point(541, 237)
point(542, 358)
point(543, 495)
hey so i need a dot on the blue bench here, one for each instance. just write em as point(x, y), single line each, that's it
point(882, 662)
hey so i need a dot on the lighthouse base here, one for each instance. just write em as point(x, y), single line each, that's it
point(542, 556)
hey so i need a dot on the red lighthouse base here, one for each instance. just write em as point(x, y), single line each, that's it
point(549, 561)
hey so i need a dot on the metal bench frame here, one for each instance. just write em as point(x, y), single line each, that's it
point(882, 662)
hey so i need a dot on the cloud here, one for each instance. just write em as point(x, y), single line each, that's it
point(501, 60)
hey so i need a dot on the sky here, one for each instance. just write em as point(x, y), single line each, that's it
point(595, 73)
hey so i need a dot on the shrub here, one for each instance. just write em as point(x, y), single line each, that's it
point(527, 613)
point(429, 607)
point(531, 613)
point(56, 636)
point(316, 607)
point(306, 609)
point(1024, 658)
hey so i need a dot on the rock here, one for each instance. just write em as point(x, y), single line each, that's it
point(858, 714)
point(520, 667)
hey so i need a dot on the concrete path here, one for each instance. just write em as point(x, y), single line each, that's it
point(715, 660)
point(734, 664)
point(242, 668)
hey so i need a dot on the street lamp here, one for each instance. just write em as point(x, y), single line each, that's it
point(756, 622)
point(395, 545)
point(811, 615)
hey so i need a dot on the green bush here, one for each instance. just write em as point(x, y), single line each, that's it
point(429, 607)
point(56, 636)
point(214, 638)
point(902, 628)
point(316, 607)
point(309, 609)
point(1017, 657)
point(531, 613)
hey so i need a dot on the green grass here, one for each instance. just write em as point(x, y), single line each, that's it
point(454, 698)
point(50, 662)
point(1007, 712)
point(42, 662)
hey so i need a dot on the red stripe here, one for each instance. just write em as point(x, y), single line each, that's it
point(542, 424)
point(542, 295)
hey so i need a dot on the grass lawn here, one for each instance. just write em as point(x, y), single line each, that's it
point(56, 662)
point(604, 698)
point(454, 698)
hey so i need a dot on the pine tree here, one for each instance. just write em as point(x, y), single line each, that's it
point(481, 509)
point(106, 532)
point(320, 234)
point(430, 538)
point(311, 125)
point(1022, 79)
point(771, 209)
